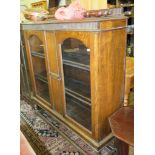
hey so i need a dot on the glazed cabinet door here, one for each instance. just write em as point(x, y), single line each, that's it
point(54, 73)
point(74, 61)
point(36, 52)
point(25, 84)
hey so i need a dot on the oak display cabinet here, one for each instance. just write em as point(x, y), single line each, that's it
point(77, 71)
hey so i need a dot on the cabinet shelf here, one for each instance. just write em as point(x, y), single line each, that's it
point(42, 77)
point(78, 111)
point(78, 96)
point(38, 54)
point(78, 56)
point(42, 90)
point(75, 64)
point(78, 87)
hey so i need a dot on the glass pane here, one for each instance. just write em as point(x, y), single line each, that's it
point(24, 67)
point(78, 111)
point(76, 52)
point(76, 65)
point(39, 67)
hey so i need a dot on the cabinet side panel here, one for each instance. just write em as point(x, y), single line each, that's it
point(101, 76)
point(119, 52)
point(109, 79)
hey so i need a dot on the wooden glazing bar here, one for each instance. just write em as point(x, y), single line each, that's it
point(37, 54)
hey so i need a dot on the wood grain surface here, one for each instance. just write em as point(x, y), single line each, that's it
point(122, 125)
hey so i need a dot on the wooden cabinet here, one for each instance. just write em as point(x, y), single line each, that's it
point(77, 72)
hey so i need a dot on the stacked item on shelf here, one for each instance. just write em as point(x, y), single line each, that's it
point(128, 10)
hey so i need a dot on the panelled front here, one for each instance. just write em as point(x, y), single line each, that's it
point(74, 61)
point(36, 52)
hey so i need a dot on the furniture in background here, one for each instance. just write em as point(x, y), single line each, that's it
point(77, 71)
point(122, 126)
point(128, 10)
point(129, 79)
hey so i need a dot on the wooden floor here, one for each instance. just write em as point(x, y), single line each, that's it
point(25, 148)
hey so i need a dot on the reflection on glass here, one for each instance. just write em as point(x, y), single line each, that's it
point(76, 65)
point(39, 67)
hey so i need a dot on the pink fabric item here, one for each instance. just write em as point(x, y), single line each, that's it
point(73, 11)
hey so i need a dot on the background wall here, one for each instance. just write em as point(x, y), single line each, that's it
point(93, 4)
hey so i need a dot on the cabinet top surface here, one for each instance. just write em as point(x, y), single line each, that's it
point(87, 24)
point(92, 19)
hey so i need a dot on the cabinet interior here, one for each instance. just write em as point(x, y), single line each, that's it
point(39, 67)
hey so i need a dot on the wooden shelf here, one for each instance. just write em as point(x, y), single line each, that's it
point(76, 55)
point(78, 96)
point(78, 86)
point(38, 54)
point(78, 111)
point(76, 65)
